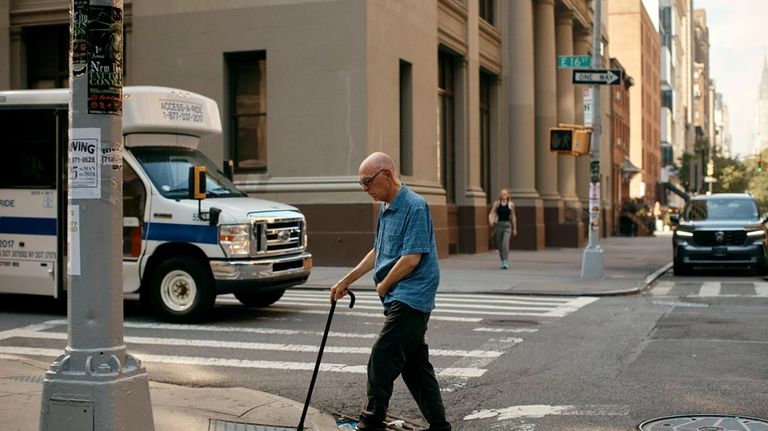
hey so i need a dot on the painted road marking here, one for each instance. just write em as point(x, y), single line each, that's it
point(707, 289)
point(761, 288)
point(485, 305)
point(217, 344)
point(458, 382)
point(662, 288)
point(243, 363)
point(541, 410)
point(710, 288)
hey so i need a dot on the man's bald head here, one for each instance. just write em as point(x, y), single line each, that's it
point(379, 178)
point(378, 161)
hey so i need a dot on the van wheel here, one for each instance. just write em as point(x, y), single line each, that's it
point(259, 299)
point(182, 290)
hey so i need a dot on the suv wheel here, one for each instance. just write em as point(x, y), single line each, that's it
point(680, 269)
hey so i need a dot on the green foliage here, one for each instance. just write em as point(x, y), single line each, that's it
point(758, 182)
point(732, 175)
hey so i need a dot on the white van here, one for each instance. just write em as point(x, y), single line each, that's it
point(178, 252)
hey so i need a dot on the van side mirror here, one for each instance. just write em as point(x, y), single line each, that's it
point(197, 182)
point(229, 169)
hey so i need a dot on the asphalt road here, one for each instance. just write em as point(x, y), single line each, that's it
point(688, 345)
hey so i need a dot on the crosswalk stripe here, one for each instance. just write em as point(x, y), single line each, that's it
point(510, 330)
point(761, 288)
point(458, 382)
point(231, 329)
point(710, 288)
point(512, 311)
point(379, 315)
point(447, 297)
point(243, 363)
point(662, 288)
point(256, 346)
point(440, 305)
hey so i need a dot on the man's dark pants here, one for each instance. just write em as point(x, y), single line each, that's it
point(401, 349)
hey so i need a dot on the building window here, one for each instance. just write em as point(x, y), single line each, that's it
point(447, 122)
point(486, 87)
point(406, 118)
point(47, 50)
point(488, 11)
point(248, 109)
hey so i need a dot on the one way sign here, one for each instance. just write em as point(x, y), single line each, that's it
point(597, 76)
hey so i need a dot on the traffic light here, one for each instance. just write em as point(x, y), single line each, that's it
point(570, 139)
point(760, 166)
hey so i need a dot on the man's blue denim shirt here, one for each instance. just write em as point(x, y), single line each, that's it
point(405, 227)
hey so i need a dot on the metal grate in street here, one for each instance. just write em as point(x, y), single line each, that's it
point(705, 423)
point(29, 379)
point(222, 425)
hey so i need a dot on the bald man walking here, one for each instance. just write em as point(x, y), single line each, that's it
point(406, 273)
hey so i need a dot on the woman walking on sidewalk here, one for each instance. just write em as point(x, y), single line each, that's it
point(502, 218)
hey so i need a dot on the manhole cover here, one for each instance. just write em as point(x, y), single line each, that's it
point(705, 423)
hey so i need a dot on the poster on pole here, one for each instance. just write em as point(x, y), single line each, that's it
point(105, 60)
point(73, 239)
point(594, 206)
point(84, 166)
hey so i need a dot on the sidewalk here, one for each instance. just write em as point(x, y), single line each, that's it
point(630, 264)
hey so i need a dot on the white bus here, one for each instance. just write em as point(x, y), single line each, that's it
point(173, 258)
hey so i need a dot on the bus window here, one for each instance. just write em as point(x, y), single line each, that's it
point(29, 148)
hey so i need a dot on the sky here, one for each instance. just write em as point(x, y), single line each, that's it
point(738, 45)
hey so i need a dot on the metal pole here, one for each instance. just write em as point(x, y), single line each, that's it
point(592, 260)
point(95, 384)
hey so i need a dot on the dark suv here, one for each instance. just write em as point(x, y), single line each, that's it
point(720, 229)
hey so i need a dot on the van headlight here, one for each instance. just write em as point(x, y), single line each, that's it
point(756, 235)
point(235, 239)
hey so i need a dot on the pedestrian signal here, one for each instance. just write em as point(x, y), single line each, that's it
point(581, 140)
point(561, 139)
point(570, 139)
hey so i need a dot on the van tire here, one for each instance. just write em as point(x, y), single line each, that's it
point(250, 298)
point(182, 290)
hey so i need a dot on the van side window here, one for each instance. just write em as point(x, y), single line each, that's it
point(134, 202)
point(29, 142)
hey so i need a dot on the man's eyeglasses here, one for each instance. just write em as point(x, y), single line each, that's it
point(365, 182)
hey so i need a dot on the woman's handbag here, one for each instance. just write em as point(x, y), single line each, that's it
point(493, 217)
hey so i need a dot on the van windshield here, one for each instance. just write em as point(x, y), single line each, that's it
point(168, 169)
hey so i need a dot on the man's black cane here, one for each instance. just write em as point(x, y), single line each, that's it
point(320, 357)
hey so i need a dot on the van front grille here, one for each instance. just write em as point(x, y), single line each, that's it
point(274, 236)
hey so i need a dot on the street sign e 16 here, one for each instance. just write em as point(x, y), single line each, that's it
point(573, 61)
point(597, 76)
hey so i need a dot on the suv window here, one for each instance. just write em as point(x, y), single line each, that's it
point(721, 209)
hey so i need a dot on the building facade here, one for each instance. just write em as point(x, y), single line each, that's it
point(636, 43)
point(461, 93)
point(762, 110)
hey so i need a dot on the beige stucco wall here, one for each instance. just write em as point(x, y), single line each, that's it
point(316, 83)
point(391, 38)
